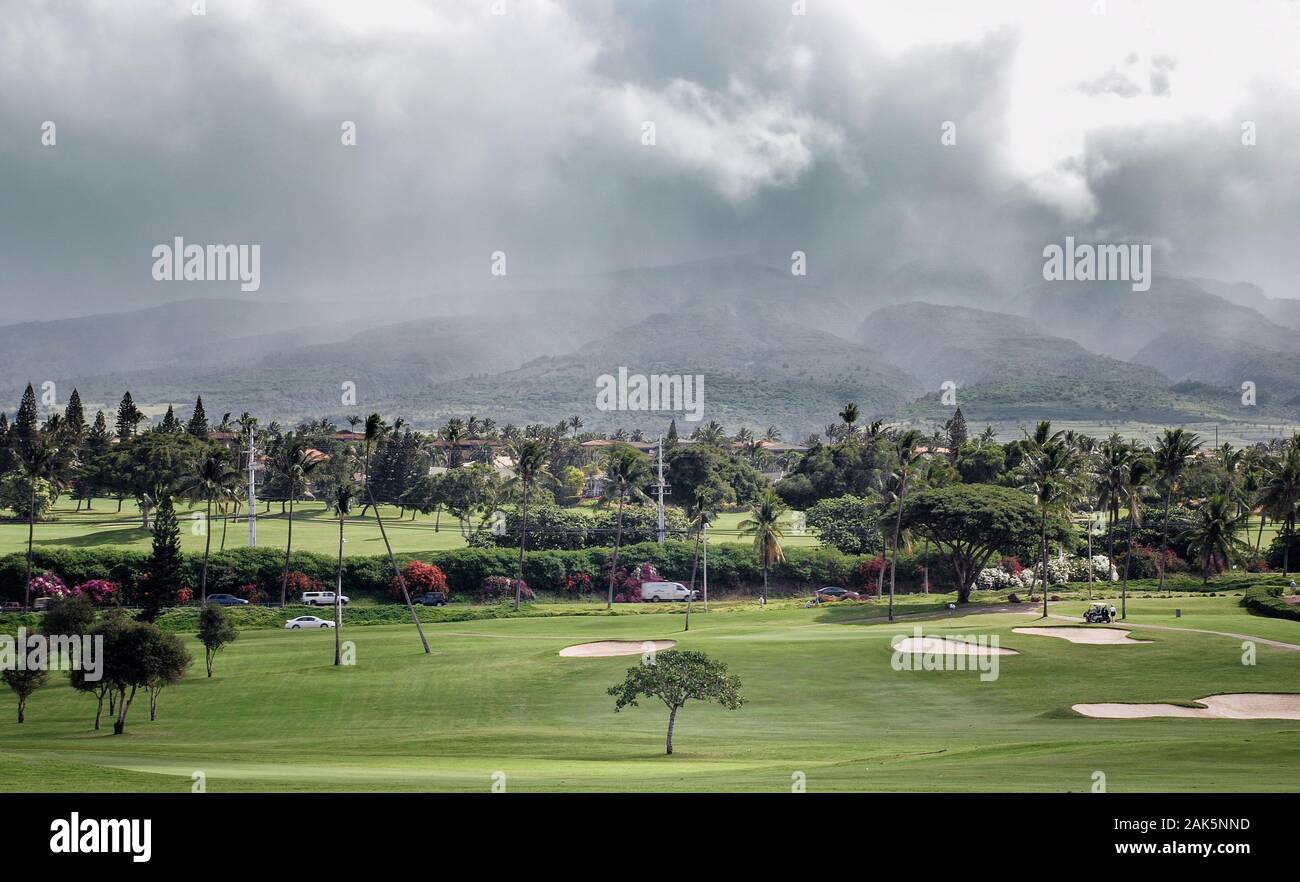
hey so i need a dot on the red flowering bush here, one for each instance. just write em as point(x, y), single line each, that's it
point(101, 592)
point(251, 592)
point(1012, 565)
point(502, 588)
point(184, 596)
point(868, 573)
point(420, 578)
point(298, 583)
point(577, 583)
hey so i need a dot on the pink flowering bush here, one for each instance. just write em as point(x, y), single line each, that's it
point(101, 592)
point(49, 585)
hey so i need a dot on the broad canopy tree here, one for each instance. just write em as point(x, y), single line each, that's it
point(970, 523)
point(675, 677)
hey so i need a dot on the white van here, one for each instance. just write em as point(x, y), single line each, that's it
point(657, 591)
point(322, 598)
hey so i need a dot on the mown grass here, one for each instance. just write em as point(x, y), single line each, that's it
point(824, 701)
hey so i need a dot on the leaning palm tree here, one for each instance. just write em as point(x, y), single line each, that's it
point(295, 463)
point(850, 416)
point(907, 458)
point(1112, 474)
point(40, 460)
point(764, 524)
point(341, 502)
point(1279, 497)
point(700, 512)
point(1213, 534)
point(530, 457)
point(1174, 448)
point(213, 478)
point(1048, 474)
point(626, 471)
point(375, 430)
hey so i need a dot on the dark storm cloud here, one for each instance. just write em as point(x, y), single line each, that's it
point(520, 133)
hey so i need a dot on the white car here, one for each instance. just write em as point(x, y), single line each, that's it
point(307, 622)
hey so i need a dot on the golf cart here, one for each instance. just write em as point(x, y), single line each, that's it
point(1099, 611)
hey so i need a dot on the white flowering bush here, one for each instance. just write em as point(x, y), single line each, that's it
point(1060, 569)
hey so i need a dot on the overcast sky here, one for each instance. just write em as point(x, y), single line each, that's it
point(522, 132)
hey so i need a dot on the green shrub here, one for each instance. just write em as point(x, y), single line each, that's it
point(1262, 600)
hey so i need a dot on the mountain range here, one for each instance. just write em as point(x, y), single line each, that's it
point(774, 349)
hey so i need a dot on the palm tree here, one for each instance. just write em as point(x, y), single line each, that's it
point(1137, 479)
point(907, 457)
point(530, 457)
point(212, 478)
point(1048, 475)
point(626, 470)
point(375, 430)
point(1172, 451)
point(341, 502)
point(295, 464)
point(1279, 497)
point(700, 512)
point(1213, 534)
point(38, 461)
point(850, 416)
point(764, 524)
point(1112, 473)
point(453, 433)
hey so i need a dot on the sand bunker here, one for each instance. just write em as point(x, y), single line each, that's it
point(1240, 706)
point(612, 648)
point(946, 647)
point(1108, 636)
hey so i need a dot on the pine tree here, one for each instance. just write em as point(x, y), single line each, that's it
point(164, 583)
point(128, 417)
point(956, 431)
point(6, 445)
point(74, 419)
point(97, 439)
point(198, 424)
point(25, 424)
point(170, 424)
point(671, 438)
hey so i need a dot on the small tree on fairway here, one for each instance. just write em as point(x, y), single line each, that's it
point(24, 683)
point(215, 631)
point(164, 662)
point(675, 677)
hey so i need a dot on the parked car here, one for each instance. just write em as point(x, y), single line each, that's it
point(13, 606)
point(433, 598)
point(227, 600)
point(322, 598)
point(41, 603)
point(657, 591)
point(307, 622)
point(833, 591)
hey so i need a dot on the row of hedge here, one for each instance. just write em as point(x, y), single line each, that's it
point(1266, 600)
point(572, 572)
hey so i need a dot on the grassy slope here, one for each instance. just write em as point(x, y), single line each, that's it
point(313, 530)
point(823, 700)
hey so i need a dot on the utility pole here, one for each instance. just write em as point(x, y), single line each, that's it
point(661, 489)
point(252, 490)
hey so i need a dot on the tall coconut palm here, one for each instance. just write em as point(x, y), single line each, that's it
point(530, 458)
point(341, 503)
point(1172, 452)
point(1213, 534)
point(454, 433)
point(700, 512)
point(212, 479)
point(907, 458)
point(1137, 481)
point(626, 472)
point(764, 524)
point(1048, 474)
point(1112, 472)
point(375, 430)
point(1279, 497)
point(295, 463)
point(39, 460)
